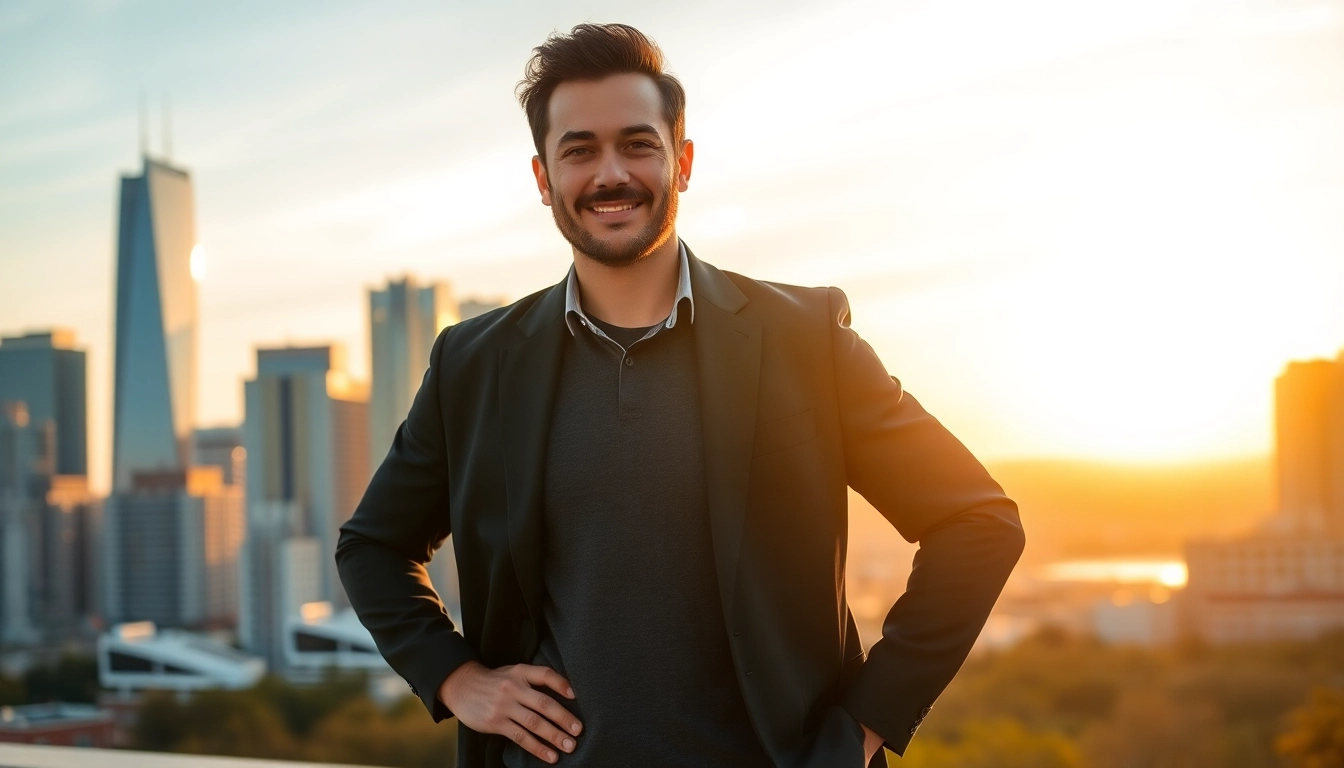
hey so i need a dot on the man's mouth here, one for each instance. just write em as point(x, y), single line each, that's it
point(615, 212)
point(612, 207)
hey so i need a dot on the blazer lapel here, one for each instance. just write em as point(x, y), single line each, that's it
point(528, 373)
point(728, 353)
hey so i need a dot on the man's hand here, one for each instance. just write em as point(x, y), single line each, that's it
point(872, 744)
point(503, 701)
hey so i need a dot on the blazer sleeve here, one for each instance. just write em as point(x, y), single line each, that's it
point(930, 487)
point(382, 550)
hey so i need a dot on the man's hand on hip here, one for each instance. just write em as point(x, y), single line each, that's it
point(504, 701)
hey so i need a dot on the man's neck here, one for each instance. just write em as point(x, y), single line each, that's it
point(635, 296)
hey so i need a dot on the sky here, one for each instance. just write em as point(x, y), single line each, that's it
point(1087, 230)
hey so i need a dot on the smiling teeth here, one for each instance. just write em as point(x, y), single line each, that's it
point(613, 208)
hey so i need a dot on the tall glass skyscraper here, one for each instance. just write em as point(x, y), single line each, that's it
point(154, 389)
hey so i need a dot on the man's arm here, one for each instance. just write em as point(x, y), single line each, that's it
point(381, 556)
point(383, 548)
point(925, 482)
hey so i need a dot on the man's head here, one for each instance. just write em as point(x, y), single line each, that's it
point(608, 124)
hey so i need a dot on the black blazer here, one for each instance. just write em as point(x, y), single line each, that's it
point(795, 408)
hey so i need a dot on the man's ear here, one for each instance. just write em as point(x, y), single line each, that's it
point(684, 165)
point(543, 183)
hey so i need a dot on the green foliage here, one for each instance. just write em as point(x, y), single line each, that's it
point(1056, 697)
point(11, 691)
point(1315, 734)
point(403, 736)
point(332, 721)
point(71, 679)
point(992, 744)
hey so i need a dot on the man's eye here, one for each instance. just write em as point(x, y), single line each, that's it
point(640, 144)
point(575, 151)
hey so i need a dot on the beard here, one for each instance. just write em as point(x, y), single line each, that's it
point(622, 254)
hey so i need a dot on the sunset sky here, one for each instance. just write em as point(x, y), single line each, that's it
point(1093, 230)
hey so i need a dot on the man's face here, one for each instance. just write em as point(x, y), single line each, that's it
point(612, 173)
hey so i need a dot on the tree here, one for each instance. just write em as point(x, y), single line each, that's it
point(1315, 734)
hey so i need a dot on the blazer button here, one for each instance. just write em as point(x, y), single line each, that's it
point(629, 361)
point(748, 673)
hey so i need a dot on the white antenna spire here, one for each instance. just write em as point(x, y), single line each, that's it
point(167, 128)
point(144, 126)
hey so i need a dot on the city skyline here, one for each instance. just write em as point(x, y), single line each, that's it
point(1101, 238)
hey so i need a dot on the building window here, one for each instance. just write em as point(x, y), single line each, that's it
point(309, 643)
point(125, 662)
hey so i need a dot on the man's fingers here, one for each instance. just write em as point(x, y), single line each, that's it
point(516, 731)
point(543, 728)
point(556, 712)
point(547, 677)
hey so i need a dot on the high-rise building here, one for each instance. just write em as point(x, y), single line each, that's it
point(70, 554)
point(1309, 430)
point(171, 548)
point(46, 372)
point(154, 388)
point(23, 451)
point(476, 306)
point(404, 319)
point(1287, 580)
point(222, 447)
point(305, 430)
point(281, 572)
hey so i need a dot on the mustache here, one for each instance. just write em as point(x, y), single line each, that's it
point(618, 195)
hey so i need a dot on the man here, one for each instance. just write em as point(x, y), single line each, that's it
point(643, 471)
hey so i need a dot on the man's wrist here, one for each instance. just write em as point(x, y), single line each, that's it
point(449, 684)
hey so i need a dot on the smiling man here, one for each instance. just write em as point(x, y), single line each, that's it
point(642, 471)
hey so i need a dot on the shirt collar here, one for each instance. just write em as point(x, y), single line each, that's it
point(574, 316)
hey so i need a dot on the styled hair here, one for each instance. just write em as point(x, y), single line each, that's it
point(592, 52)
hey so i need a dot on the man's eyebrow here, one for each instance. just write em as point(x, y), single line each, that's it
point(629, 130)
point(569, 136)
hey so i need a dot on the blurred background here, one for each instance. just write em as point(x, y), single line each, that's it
point(1103, 243)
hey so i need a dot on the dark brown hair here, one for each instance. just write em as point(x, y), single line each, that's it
point(592, 52)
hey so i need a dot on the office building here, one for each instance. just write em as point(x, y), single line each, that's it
point(1309, 433)
point(154, 384)
point(67, 580)
point(222, 447)
point(477, 306)
point(57, 724)
point(282, 570)
point(46, 372)
point(171, 549)
point(318, 640)
point(139, 656)
point(404, 319)
point(1286, 580)
point(23, 452)
point(305, 431)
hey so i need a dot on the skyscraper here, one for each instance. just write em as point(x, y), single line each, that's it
point(154, 388)
point(171, 546)
point(1309, 427)
point(306, 433)
point(404, 319)
point(45, 372)
point(22, 452)
point(48, 518)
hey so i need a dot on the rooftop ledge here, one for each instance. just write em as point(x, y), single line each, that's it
point(27, 756)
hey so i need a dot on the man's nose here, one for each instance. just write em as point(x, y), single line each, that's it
point(611, 171)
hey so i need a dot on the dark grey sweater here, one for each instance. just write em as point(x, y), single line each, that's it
point(632, 604)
